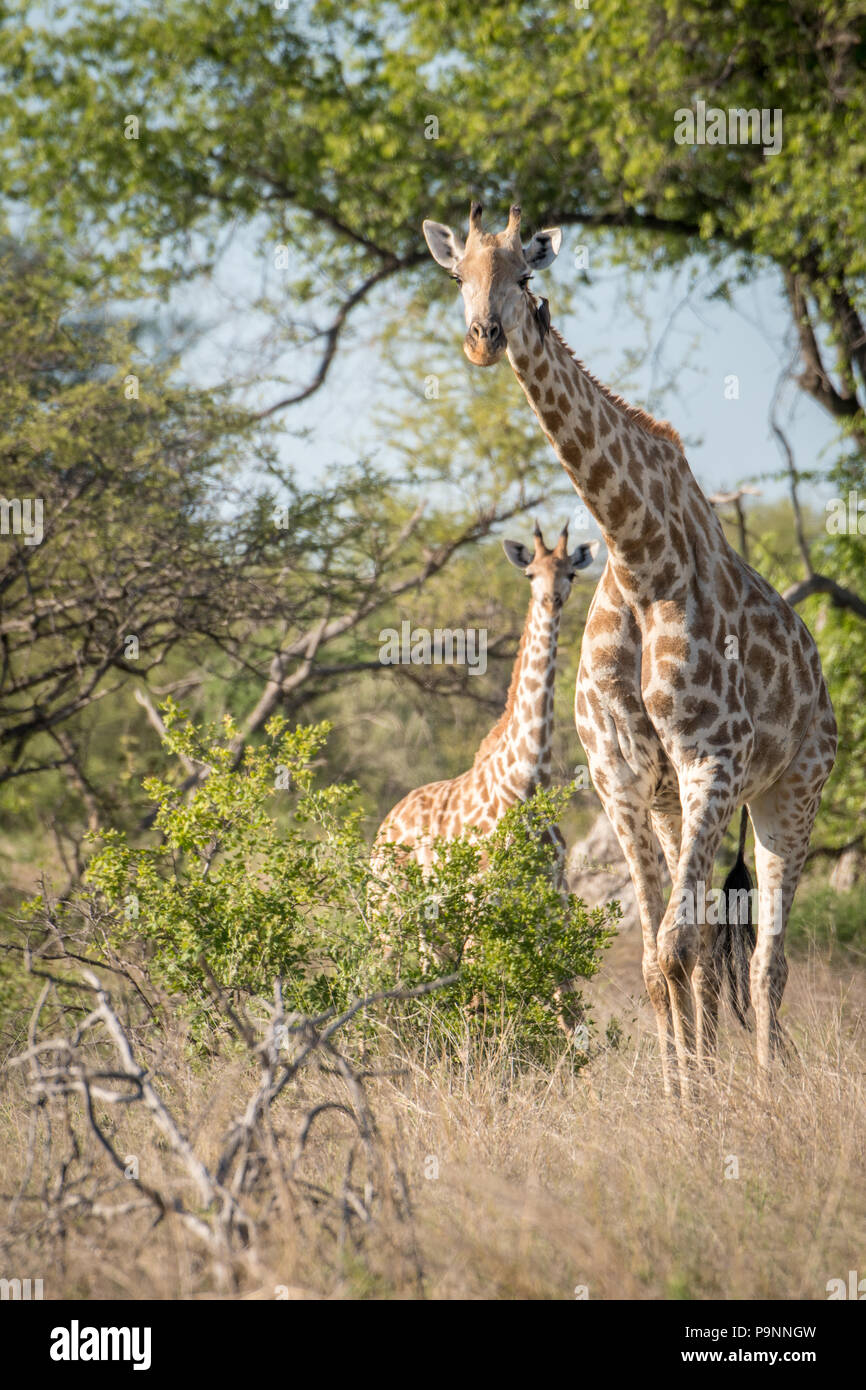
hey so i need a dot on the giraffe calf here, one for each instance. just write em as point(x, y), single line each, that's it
point(514, 759)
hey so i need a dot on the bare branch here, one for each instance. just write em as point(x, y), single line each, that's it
point(333, 333)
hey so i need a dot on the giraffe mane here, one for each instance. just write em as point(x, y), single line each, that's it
point(490, 741)
point(659, 429)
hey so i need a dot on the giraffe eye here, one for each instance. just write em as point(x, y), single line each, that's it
point(458, 282)
point(524, 281)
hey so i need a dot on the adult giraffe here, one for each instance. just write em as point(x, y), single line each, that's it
point(699, 690)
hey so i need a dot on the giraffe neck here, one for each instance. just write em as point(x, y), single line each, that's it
point(519, 746)
point(629, 470)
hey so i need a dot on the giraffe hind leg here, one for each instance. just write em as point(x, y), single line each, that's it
point(783, 817)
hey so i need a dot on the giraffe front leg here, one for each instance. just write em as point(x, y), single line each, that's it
point(633, 829)
point(706, 985)
point(686, 937)
point(706, 982)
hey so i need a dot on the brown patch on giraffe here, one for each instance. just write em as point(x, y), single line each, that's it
point(606, 656)
point(675, 647)
point(801, 667)
point(679, 544)
point(582, 434)
point(701, 712)
point(762, 625)
point(666, 577)
point(626, 581)
point(599, 475)
point(655, 547)
point(605, 622)
point(786, 688)
point(625, 504)
point(595, 705)
point(671, 612)
point(634, 551)
point(613, 690)
point(703, 668)
point(570, 453)
point(673, 675)
point(659, 706)
point(772, 752)
point(761, 661)
point(734, 569)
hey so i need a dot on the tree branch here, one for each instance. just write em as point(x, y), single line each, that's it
point(333, 333)
point(822, 584)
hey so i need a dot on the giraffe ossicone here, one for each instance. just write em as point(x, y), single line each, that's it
point(680, 724)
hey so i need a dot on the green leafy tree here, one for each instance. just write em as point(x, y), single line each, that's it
point(340, 127)
point(111, 550)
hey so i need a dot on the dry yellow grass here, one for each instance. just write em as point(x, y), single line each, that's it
point(526, 1184)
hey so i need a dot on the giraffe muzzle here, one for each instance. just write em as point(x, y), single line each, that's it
point(485, 342)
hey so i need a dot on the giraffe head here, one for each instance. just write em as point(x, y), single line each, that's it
point(551, 572)
point(493, 273)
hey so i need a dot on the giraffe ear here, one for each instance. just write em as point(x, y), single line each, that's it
point(543, 249)
point(445, 246)
point(583, 556)
point(517, 554)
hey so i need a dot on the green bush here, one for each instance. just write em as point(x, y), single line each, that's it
point(260, 873)
point(823, 918)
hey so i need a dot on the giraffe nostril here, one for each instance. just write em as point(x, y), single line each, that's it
point(489, 329)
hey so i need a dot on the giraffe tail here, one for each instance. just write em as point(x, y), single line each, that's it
point(736, 939)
